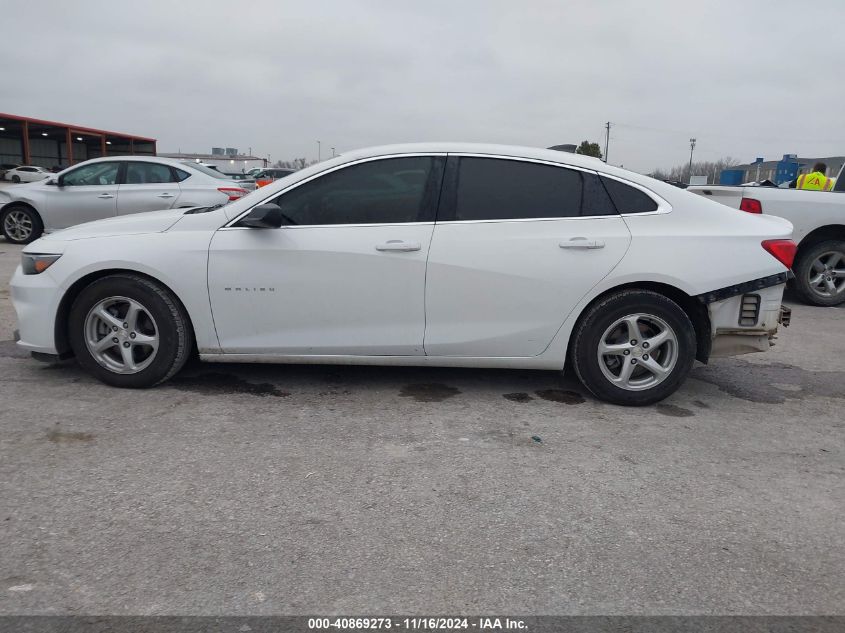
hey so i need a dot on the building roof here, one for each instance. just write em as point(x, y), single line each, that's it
point(74, 128)
point(187, 156)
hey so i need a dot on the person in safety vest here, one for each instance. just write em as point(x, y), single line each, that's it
point(815, 180)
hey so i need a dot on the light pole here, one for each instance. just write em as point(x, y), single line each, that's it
point(318, 152)
point(691, 148)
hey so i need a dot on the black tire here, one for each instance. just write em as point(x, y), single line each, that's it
point(803, 269)
point(34, 219)
point(173, 328)
point(16, 178)
point(602, 315)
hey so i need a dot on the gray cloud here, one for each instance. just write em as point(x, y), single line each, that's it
point(746, 79)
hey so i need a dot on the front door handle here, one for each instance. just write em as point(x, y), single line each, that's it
point(166, 195)
point(582, 242)
point(105, 195)
point(399, 246)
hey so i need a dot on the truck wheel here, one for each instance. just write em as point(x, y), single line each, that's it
point(820, 273)
point(634, 347)
point(21, 224)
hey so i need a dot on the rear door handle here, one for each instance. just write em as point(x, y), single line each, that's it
point(105, 195)
point(399, 246)
point(582, 242)
point(166, 195)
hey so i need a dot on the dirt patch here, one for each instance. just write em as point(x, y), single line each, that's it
point(10, 349)
point(771, 384)
point(216, 383)
point(69, 437)
point(517, 397)
point(673, 411)
point(428, 392)
point(561, 395)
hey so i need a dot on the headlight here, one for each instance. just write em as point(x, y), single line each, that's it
point(35, 263)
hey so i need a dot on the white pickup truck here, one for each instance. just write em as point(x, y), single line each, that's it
point(818, 220)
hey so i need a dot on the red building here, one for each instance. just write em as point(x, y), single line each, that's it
point(28, 141)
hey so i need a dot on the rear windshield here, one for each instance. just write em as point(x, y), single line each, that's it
point(207, 171)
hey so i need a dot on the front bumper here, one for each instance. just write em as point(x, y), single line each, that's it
point(35, 299)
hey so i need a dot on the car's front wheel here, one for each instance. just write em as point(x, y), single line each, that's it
point(16, 178)
point(634, 347)
point(820, 273)
point(129, 331)
point(20, 224)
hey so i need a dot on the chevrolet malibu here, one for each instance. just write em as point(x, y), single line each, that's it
point(436, 254)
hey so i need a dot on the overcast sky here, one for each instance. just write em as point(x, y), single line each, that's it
point(745, 78)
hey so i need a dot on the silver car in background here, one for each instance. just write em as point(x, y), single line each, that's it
point(107, 187)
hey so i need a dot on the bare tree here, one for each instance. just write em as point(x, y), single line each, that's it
point(711, 169)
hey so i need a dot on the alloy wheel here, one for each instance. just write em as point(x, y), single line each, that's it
point(121, 335)
point(18, 225)
point(826, 276)
point(638, 351)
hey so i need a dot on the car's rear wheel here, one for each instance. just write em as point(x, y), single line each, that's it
point(129, 331)
point(634, 347)
point(21, 224)
point(820, 273)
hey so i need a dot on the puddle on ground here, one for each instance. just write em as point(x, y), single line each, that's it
point(428, 392)
point(673, 411)
point(560, 395)
point(771, 384)
point(217, 383)
point(69, 437)
point(517, 397)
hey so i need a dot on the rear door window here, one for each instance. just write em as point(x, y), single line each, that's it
point(142, 173)
point(502, 189)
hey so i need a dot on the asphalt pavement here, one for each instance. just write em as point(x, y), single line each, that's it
point(239, 489)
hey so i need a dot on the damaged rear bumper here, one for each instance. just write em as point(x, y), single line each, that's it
point(745, 318)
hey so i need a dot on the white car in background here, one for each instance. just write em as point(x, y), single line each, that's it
point(434, 254)
point(27, 173)
point(107, 187)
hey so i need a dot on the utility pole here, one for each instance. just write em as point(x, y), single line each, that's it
point(606, 140)
point(319, 157)
point(691, 148)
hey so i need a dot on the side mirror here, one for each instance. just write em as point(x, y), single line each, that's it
point(264, 216)
point(59, 181)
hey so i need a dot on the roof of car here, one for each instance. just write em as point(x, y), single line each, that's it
point(513, 151)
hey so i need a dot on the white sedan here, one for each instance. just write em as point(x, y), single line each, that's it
point(27, 173)
point(105, 187)
point(436, 254)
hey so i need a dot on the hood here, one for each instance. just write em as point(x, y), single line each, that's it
point(134, 224)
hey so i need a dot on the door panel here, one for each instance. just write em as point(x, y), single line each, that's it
point(320, 289)
point(504, 288)
point(89, 193)
point(149, 197)
point(147, 186)
point(347, 273)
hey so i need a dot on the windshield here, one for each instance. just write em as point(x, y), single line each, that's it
point(207, 170)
